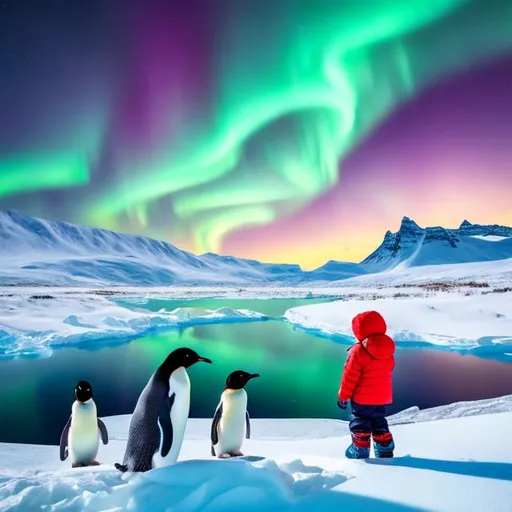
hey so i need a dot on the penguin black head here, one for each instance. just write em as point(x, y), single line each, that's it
point(83, 391)
point(239, 378)
point(182, 357)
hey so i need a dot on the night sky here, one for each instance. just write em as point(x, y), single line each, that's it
point(282, 130)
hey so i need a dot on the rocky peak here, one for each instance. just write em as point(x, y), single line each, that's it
point(468, 229)
point(439, 234)
point(408, 225)
point(409, 233)
point(405, 239)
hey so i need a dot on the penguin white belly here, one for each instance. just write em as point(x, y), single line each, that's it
point(179, 384)
point(232, 426)
point(83, 438)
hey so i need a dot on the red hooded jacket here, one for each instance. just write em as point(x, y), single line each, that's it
point(367, 375)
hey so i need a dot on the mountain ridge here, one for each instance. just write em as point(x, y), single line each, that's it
point(413, 245)
point(38, 251)
point(44, 246)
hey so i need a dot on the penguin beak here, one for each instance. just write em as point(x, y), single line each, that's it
point(204, 360)
point(254, 375)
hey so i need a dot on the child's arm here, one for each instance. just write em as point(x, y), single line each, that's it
point(351, 373)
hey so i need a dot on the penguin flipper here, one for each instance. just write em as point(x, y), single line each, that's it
point(121, 467)
point(215, 426)
point(103, 431)
point(164, 419)
point(64, 441)
point(247, 425)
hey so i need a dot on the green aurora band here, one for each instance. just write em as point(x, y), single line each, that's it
point(297, 85)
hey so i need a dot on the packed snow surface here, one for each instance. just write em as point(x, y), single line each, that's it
point(36, 324)
point(453, 320)
point(291, 465)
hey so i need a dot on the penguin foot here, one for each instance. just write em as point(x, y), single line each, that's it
point(236, 454)
point(95, 463)
point(224, 456)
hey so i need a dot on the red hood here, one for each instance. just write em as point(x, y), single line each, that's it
point(380, 346)
point(368, 323)
point(370, 326)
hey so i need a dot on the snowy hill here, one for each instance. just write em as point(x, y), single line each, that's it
point(413, 246)
point(281, 270)
point(36, 251)
point(293, 465)
point(334, 270)
point(496, 273)
point(39, 253)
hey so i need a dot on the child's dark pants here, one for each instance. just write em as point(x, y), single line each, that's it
point(369, 418)
point(370, 421)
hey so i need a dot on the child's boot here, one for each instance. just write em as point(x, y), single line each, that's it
point(360, 447)
point(383, 445)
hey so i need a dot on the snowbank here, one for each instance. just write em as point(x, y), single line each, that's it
point(455, 321)
point(31, 326)
point(294, 465)
point(142, 293)
point(455, 410)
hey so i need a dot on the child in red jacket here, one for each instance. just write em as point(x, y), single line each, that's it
point(367, 383)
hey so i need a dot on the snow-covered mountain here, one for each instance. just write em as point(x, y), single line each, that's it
point(38, 252)
point(277, 269)
point(413, 246)
point(335, 270)
point(487, 230)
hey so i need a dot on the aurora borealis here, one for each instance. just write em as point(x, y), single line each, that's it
point(284, 130)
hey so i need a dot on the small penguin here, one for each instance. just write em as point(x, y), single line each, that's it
point(80, 437)
point(158, 423)
point(231, 422)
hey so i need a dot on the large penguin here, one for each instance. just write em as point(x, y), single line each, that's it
point(160, 417)
point(231, 422)
point(80, 437)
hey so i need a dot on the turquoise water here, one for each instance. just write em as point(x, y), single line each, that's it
point(300, 373)
point(271, 307)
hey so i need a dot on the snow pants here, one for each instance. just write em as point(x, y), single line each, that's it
point(368, 418)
